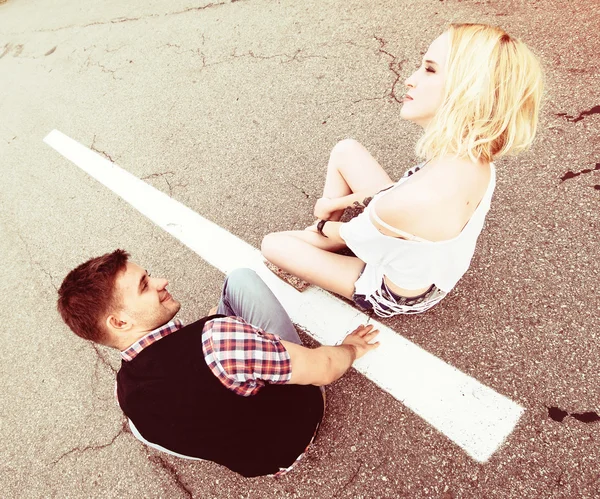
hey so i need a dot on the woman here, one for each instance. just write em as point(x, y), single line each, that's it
point(477, 95)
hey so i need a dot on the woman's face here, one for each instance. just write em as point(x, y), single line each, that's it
point(425, 91)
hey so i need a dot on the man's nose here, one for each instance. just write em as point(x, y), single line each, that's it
point(161, 284)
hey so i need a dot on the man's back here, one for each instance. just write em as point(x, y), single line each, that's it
point(175, 401)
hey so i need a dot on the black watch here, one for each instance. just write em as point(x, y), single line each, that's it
point(320, 226)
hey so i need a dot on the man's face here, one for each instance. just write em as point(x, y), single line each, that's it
point(144, 299)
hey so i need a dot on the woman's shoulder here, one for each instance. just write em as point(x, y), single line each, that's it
point(436, 202)
point(459, 179)
point(440, 180)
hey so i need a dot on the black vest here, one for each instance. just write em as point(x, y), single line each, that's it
point(175, 401)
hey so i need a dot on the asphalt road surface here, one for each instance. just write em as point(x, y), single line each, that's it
point(231, 108)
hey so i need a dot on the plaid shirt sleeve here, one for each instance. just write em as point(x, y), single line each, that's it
point(243, 357)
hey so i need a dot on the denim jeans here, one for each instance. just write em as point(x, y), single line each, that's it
point(246, 295)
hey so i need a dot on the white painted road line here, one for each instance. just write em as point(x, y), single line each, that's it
point(475, 417)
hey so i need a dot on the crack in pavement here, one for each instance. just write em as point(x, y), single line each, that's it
point(355, 101)
point(283, 58)
point(582, 114)
point(120, 20)
point(99, 151)
point(102, 358)
point(571, 174)
point(87, 448)
point(111, 51)
point(207, 6)
point(395, 67)
point(300, 189)
point(36, 263)
point(163, 175)
point(159, 174)
point(290, 58)
point(350, 481)
point(95, 381)
point(102, 67)
point(363, 99)
point(171, 471)
point(195, 51)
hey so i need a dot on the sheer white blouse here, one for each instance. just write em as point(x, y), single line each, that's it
point(412, 263)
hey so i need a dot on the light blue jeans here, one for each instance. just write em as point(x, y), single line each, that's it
point(246, 295)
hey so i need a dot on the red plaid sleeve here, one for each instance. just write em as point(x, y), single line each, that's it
point(243, 357)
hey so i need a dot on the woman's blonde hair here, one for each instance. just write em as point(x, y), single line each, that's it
point(493, 91)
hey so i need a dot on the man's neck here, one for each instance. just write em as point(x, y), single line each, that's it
point(129, 338)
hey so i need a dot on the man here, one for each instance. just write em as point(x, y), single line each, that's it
point(236, 387)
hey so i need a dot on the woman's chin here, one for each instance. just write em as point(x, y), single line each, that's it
point(406, 116)
point(413, 119)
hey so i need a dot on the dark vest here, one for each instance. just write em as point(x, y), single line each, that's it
point(175, 401)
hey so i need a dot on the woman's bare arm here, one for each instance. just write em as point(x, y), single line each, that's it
point(324, 207)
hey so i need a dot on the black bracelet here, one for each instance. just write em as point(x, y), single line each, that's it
point(320, 226)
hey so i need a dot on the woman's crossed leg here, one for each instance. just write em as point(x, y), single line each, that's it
point(351, 173)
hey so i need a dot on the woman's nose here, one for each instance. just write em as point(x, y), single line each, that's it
point(410, 81)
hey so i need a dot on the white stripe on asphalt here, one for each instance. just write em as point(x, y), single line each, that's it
point(475, 417)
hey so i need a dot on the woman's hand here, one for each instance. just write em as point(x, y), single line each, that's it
point(324, 207)
point(313, 227)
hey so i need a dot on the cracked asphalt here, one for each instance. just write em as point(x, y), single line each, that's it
point(232, 108)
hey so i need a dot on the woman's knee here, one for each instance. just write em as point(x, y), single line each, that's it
point(270, 244)
point(343, 155)
point(345, 147)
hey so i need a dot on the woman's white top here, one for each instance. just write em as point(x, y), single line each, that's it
point(415, 263)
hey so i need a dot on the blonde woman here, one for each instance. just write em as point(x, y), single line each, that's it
point(477, 95)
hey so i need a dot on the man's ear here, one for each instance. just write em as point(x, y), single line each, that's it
point(118, 323)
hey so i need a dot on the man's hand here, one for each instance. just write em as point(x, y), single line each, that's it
point(360, 339)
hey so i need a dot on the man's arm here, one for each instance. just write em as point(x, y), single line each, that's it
point(323, 365)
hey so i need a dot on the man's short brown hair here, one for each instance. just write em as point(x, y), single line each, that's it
point(87, 295)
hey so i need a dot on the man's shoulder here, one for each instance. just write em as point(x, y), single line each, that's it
point(199, 323)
